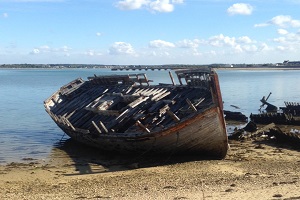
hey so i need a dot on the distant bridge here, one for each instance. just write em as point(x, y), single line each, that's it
point(156, 67)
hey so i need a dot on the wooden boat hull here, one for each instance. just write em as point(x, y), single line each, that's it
point(197, 136)
point(202, 133)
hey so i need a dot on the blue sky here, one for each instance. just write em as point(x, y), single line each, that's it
point(149, 31)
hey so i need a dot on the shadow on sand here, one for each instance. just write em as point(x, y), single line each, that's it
point(89, 160)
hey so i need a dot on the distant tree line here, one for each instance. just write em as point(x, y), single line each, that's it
point(33, 66)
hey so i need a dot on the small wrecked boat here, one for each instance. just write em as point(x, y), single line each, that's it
point(125, 113)
point(288, 115)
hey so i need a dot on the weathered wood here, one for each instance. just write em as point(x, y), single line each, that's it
point(191, 105)
point(142, 126)
point(174, 117)
point(128, 115)
point(103, 126)
point(138, 101)
point(96, 127)
point(104, 112)
point(172, 78)
point(164, 109)
point(199, 102)
point(66, 122)
point(160, 96)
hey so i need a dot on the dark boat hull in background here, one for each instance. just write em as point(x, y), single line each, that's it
point(126, 114)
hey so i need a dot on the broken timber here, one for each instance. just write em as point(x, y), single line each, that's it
point(125, 113)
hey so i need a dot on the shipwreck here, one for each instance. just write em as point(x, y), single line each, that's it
point(288, 115)
point(126, 114)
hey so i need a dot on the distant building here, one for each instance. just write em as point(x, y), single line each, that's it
point(291, 63)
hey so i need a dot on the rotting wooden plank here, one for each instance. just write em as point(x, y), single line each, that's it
point(155, 106)
point(144, 128)
point(174, 117)
point(199, 102)
point(103, 126)
point(77, 102)
point(153, 92)
point(122, 121)
point(86, 101)
point(67, 123)
point(191, 105)
point(83, 119)
point(104, 112)
point(97, 128)
point(172, 78)
point(130, 98)
point(80, 130)
point(159, 97)
point(144, 91)
point(163, 110)
point(138, 101)
point(157, 93)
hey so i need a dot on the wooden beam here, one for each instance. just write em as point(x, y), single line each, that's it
point(174, 117)
point(103, 127)
point(97, 128)
point(172, 78)
point(191, 105)
point(139, 124)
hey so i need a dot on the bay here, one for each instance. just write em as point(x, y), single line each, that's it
point(26, 130)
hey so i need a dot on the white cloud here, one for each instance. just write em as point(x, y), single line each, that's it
point(245, 39)
point(47, 49)
point(264, 47)
point(232, 45)
point(282, 31)
point(284, 21)
point(161, 6)
point(261, 25)
point(98, 34)
point(288, 42)
point(177, 1)
point(121, 48)
point(280, 39)
point(221, 40)
point(250, 48)
point(160, 44)
point(186, 43)
point(152, 5)
point(131, 4)
point(44, 48)
point(35, 51)
point(92, 53)
point(65, 49)
point(281, 48)
point(240, 9)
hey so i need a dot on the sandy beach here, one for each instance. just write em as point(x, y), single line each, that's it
point(255, 168)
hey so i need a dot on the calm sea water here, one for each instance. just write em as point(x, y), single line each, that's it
point(26, 130)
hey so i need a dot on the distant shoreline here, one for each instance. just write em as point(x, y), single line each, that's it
point(259, 68)
point(216, 68)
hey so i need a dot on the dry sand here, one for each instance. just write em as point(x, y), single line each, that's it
point(253, 169)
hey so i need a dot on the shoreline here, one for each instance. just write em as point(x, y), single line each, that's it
point(254, 168)
point(216, 68)
point(259, 68)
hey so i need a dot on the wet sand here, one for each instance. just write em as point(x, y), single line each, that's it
point(256, 168)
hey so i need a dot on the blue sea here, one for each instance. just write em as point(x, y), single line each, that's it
point(26, 130)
